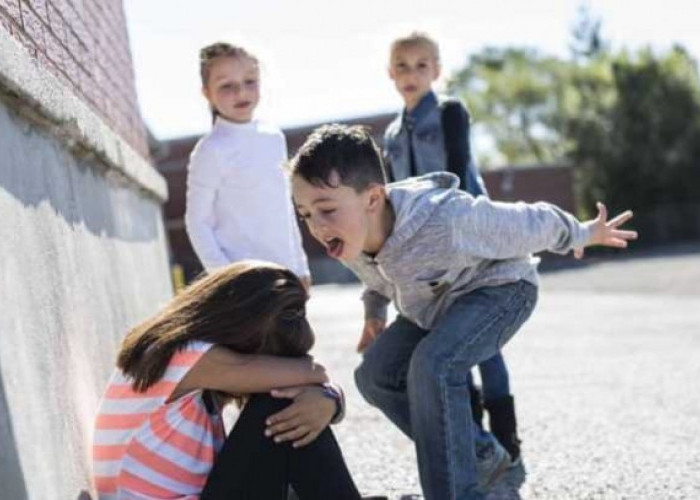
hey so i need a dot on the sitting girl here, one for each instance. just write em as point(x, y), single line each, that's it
point(238, 333)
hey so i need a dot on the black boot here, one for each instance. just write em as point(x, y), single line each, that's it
point(477, 403)
point(503, 424)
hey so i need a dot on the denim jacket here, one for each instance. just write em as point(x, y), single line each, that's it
point(425, 122)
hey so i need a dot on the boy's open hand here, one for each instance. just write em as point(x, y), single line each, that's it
point(606, 233)
point(373, 327)
point(304, 419)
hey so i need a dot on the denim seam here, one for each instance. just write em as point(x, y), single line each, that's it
point(450, 363)
point(448, 439)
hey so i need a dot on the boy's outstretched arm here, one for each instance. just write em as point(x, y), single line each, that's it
point(605, 232)
point(500, 230)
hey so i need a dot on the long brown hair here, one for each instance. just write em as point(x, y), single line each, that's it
point(210, 53)
point(249, 306)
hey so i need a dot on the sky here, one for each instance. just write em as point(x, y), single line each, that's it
point(326, 60)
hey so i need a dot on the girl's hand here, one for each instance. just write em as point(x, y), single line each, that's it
point(373, 327)
point(304, 419)
point(606, 233)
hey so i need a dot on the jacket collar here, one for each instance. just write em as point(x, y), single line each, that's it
point(425, 105)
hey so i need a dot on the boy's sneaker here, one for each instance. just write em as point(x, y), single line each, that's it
point(491, 465)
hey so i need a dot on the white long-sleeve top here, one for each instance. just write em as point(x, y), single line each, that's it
point(239, 202)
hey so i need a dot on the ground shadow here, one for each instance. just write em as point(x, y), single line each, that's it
point(507, 488)
point(37, 170)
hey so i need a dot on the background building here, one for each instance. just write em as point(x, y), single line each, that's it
point(548, 183)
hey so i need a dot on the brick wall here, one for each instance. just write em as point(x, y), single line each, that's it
point(85, 44)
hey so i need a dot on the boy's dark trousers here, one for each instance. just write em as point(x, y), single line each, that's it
point(251, 466)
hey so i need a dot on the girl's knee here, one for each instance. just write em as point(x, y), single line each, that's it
point(261, 406)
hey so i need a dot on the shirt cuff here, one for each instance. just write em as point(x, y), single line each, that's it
point(335, 393)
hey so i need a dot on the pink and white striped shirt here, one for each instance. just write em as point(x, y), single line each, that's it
point(145, 448)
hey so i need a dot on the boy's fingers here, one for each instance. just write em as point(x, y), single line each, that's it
point(602, 211)
point(620, 219)
point(625, 234)
point(578, 253)
point(617, 243)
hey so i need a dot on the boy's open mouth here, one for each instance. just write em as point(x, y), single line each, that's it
point(334, 246)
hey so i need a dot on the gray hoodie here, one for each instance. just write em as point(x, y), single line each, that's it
point(445, 243)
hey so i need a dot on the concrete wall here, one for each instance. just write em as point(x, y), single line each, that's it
point(82, 257)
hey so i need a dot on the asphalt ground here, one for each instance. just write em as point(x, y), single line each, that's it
point(606, 376)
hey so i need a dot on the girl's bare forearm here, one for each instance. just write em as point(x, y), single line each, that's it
point(234, 373)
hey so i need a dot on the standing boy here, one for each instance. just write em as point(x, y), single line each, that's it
point(461, 276)
point(432, 134)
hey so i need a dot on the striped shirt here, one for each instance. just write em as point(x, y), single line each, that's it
point(145, 448)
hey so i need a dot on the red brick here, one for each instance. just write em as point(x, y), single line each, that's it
point(40, 8)
point(5, 22)
point(77, 50)
point(11, 7)
point(57, 24)
point(55, 49)
point(32, 25)
point(28, 44)
point(68, 13)
point(71, 69)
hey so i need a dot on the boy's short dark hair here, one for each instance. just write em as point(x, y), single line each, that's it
point(349, 151)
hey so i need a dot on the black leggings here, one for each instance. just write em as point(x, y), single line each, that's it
point(251, 466)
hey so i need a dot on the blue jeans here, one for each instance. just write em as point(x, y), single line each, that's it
point(419, 380)
point(495, 383)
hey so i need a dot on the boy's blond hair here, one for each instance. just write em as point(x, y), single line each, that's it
point(413, 39)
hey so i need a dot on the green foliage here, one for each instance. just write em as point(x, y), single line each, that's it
point(629, 122)
point(642, 148)
point(516, 96)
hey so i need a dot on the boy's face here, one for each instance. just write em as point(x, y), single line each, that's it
point(338, 217)
point(413, 69)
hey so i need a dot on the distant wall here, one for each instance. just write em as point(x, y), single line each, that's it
point(83, 256)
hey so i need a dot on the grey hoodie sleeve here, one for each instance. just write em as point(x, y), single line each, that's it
point(375, 304)
point(497, 230)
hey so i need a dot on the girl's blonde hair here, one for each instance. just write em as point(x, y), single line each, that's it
point(416, 38)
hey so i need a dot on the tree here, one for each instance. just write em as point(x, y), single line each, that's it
point(642, 149)
point(627, 121)
point(515, 95)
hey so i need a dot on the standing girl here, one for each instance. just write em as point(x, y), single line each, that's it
point(239, 332)
point(238, 199)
